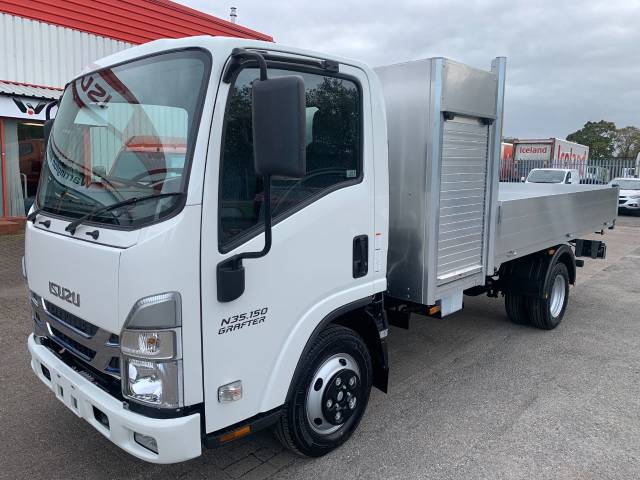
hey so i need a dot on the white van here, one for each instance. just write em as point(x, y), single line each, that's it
point(553, 175)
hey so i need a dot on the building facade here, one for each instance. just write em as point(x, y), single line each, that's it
point(45, 43)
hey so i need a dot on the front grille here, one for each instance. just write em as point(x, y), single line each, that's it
point(107, 382)
point(90, 345)
point(114, 366)
point(71, 344)
point(70, 319)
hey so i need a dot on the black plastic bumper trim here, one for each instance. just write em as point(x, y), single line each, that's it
point(257, 422)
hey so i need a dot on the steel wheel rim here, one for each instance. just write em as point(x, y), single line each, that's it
point(315, 397)
point(558, 293)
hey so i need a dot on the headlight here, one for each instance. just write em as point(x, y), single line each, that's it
point(153, 383)
point(151, 348)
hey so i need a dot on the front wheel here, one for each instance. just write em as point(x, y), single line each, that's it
point(329, 396)
point(547, 313)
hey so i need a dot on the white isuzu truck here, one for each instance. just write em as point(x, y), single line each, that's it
point(224, 230)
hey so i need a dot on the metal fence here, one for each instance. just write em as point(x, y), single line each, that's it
point(589, 171)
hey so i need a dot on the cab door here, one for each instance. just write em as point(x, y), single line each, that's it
point(323, 237)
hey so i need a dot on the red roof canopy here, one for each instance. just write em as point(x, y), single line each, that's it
point(133, 21)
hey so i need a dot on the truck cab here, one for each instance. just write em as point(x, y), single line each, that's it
point(149, 186)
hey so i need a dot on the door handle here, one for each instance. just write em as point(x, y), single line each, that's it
point(360, 256)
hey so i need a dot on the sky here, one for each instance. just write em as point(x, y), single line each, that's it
point(568, 62)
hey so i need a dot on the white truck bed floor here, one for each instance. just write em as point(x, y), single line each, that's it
point(533, 216)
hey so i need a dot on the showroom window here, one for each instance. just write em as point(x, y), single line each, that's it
point(23, 146)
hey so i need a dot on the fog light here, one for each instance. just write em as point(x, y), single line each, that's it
point(146, 441)
point(231, 392)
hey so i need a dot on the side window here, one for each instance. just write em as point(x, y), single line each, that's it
point(333, 136)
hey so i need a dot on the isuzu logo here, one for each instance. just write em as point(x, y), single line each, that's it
point(64, 293)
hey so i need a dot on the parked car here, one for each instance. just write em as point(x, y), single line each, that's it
point(553, 175)
point(629, 199)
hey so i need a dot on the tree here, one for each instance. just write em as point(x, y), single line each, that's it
point(628, 142)
point(600, 137)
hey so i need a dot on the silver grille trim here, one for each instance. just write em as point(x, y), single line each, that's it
point(96, 350)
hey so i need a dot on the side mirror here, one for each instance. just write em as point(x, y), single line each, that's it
point(46, 130)
point(279, 127)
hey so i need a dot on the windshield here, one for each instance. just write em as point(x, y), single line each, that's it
point(122, 133)
point(626, 183)
point(546, 176)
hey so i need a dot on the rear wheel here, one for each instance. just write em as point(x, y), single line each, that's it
point(547, 313)
point(516, 308)
point(330, 395)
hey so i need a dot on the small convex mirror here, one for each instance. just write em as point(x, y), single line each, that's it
point(279, 119)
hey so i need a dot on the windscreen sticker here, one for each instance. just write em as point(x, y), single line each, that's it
point(65, 174)
point(243, 320)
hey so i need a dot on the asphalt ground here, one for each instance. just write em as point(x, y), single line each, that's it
point(471, 396)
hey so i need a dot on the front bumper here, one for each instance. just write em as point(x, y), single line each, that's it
point(178, 439)
point(629, 204)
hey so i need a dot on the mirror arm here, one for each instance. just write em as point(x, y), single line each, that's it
point(244, 53)
point(230, 272)
point(267, 226)
point(236, 260)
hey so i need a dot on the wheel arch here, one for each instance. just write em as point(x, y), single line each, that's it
point(527, 275)
point(367, 318)
point(564, 254)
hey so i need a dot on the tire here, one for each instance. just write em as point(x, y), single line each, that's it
point(337, 353)
point(546, 313)
point(516, 309)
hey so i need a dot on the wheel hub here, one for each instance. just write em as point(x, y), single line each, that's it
point(332, 397)
point(341, 396)
point(558, 292)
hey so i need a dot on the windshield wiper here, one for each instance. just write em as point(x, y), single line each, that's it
point(32, 216)
point(71, 228)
